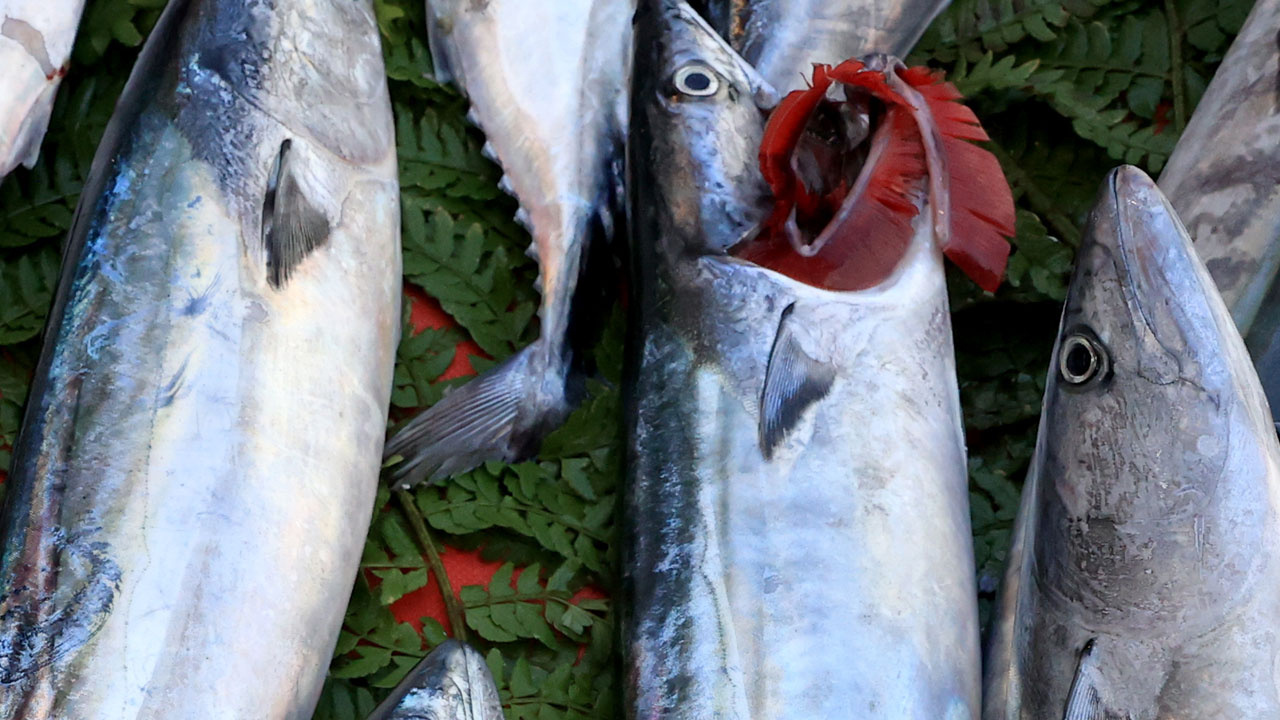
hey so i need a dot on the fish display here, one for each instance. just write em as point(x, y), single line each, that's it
point(193, 481)
point(797, 539)
point(35, 50)
point(1223, 180)
point(451, 683)
point(782, 39)
point(1142, 583)
point(554, 116)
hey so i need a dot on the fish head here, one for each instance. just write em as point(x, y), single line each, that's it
point(1151, 406)
point(698, 114)
point(453, 681)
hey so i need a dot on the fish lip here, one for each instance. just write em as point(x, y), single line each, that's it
point(1153, 253)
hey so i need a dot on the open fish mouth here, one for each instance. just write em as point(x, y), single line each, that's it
point(854, 159)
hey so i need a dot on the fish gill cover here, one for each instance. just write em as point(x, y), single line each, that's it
point(1065, 88)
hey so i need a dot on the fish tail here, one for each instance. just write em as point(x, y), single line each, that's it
point(501, 415)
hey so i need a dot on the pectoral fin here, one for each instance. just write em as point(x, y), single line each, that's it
point(1084, 702)
point(292, 227)
point(793, 382)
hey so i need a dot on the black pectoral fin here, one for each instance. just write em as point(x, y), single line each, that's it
point(1084, 701)
point(793, 382)
point(292, 227)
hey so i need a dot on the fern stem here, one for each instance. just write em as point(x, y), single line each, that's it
point(451, 607)
point(1176, 31)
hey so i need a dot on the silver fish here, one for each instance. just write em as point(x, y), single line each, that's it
point(35, 49)
point(546, 83)
point(1143, 581)
point(1223, 179)
point(451, 683)
point(194, 477)
point(798, 541)
point(784, 38)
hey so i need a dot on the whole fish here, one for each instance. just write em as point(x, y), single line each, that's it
point(797, 539)
point(35, 48)
point(1223, 179)
point(546, 83)
point(194, 476)
point(451, 683)
point(784, 38)
point(1143, 581)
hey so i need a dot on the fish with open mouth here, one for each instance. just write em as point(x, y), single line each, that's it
point(546, 82)
point(797, 539)
point(194, 478)
point(35, 48)
point(1223, 180)
point(1142, 581)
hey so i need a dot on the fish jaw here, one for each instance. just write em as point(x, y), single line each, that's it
point(1145, 538)
point(452, 682)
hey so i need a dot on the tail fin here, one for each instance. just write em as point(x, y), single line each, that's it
point(501, 415)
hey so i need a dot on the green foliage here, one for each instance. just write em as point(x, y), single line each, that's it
point(1066, 88)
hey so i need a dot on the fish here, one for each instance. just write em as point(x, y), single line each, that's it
point(783, 39)
point(195, 474)
point(1142, 581)
point(452, 682)
point(554, 117)
point(35, 50)
point(1223, 179)
point(796, 534)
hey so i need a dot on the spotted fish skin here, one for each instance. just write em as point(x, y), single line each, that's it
point(1223, 179)
point(196, 469)
point(1142, 582)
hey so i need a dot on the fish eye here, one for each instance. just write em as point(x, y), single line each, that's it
point(1081, 359)
point(697, 80)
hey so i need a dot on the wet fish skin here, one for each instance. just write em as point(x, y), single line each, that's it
point(35, 49)
point(554, 115)
point(784, 38)
point(193, 480)
point(452, 682)
point(1223, 179)
point(1142, 580)
point(773, 562)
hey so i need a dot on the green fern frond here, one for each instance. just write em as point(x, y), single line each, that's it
point(27, 282)
point(968, 28)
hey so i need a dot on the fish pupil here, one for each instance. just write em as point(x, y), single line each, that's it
point(1080, 361)
point(697, 81)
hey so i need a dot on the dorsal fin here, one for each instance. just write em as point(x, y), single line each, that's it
point(292, 226)
point(793, 382)
point(1084, 702)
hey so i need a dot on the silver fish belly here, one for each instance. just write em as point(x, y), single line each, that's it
point(784, 38)
point(797, 528)
point(194, 477)
point(546, 82)
point(35, 48)
point(1143, 581)
point(451, 683)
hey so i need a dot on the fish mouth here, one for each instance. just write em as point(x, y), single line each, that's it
point(1159, 275)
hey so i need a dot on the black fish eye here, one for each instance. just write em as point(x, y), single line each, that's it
point(697, 80)
point(1081, 359)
